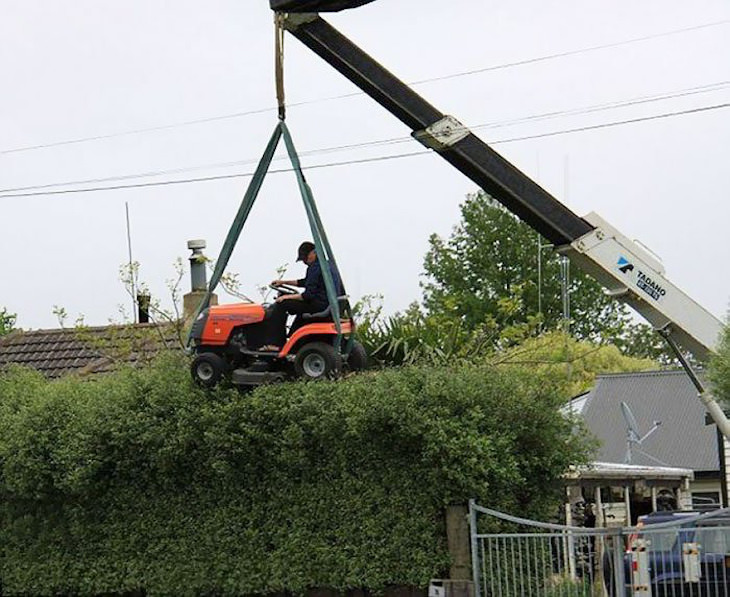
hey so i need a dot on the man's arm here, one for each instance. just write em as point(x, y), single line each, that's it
point(299, 282)
point(289, 297)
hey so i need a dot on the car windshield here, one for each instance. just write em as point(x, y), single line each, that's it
point(660, 540)
point(714, 539)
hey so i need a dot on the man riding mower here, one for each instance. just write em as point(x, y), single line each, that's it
point(248, 343)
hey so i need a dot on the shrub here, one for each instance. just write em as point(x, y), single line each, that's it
point(140, 480)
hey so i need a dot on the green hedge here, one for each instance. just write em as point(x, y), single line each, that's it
point(139, 480)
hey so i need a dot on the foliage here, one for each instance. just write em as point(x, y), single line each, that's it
point(141, 481)
point(414, 336)
point(719, 368)
point(7, 321)
point(570, 362)
point(120, 345)
point(642, 341)
point(567, 587)
point(129, 275)
point(491, 257)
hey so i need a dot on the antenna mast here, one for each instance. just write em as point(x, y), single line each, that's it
point(131, 268)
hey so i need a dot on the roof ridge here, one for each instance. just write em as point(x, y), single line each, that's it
point(652, 373)
point(88, 328)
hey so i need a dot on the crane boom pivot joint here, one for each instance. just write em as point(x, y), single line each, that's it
point(443, 134)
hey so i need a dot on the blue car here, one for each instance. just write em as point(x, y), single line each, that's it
point(669, 565)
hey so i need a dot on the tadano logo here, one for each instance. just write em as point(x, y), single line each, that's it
point(624, 265)
point(644, 282)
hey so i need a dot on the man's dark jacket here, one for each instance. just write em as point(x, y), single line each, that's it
point(313, 283)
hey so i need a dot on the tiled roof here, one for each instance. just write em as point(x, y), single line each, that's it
point(682, 439)
point(85, 350)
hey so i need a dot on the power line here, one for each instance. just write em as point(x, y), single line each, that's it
point(617, 104)
point(573, 52)
point(367, 160)
point(393, 141)
point(605, 125)
point(491, 68)
point(135, 131)
point(212, 178)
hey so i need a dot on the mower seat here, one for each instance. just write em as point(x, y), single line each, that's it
point(327, 313)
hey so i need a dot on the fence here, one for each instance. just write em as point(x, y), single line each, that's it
point(671, 554)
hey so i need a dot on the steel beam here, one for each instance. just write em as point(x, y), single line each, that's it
point(456, 144)
point(315, 5)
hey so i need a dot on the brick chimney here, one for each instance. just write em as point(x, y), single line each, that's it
point(198, 280)
point(143, 307)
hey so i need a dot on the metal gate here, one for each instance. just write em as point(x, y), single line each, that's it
point(677, 554)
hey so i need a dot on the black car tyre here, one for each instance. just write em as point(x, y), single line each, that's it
point(357, 360)
point(208, 369)
point(317, 360)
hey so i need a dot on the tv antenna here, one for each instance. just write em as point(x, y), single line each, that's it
point(634, 439)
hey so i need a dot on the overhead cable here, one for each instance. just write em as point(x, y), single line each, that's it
point(365, 160)
point(466, 73)
point(567, 53)
point(393, 141)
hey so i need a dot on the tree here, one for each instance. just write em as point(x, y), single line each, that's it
point(490, 261)
point(7, 321)
point(414, 336)
point(571, 363)
point(719, 369)
point(641, 340)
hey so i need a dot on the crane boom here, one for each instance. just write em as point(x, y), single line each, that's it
point(627, 271)
point(454, 142)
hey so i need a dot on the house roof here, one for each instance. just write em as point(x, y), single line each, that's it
point(627, 472)
point(85, 350)
point(682, 440)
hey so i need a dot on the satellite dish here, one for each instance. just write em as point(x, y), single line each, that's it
point(634, 439)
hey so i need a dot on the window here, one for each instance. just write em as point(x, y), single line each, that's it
point(705, 499)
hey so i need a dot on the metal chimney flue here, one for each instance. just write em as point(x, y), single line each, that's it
point(198, 281)
point(198, 276)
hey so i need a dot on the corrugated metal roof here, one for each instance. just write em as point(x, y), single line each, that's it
point(612, 470)
point(682, 440)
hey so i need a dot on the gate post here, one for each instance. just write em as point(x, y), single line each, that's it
point(474, 548)
point(617, 557)
point(457, 535)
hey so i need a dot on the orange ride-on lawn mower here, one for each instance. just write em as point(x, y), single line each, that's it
point(225, 339)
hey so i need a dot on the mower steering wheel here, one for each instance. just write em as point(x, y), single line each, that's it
point(284, 289)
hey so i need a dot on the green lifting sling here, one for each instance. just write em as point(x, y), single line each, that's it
point(322, 246)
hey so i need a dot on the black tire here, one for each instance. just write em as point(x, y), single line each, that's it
point(357, 360)
point(317, 360)
point(208, 369)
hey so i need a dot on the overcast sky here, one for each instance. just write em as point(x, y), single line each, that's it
point(73, 69)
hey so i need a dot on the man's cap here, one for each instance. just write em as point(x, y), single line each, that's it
point(304, 249)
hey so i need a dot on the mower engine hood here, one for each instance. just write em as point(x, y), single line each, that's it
point(315, 5)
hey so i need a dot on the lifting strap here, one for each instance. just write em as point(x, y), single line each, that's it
point(279, 63)
point(321, 243)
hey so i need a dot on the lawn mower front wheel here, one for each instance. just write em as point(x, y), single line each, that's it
point(207, 369)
